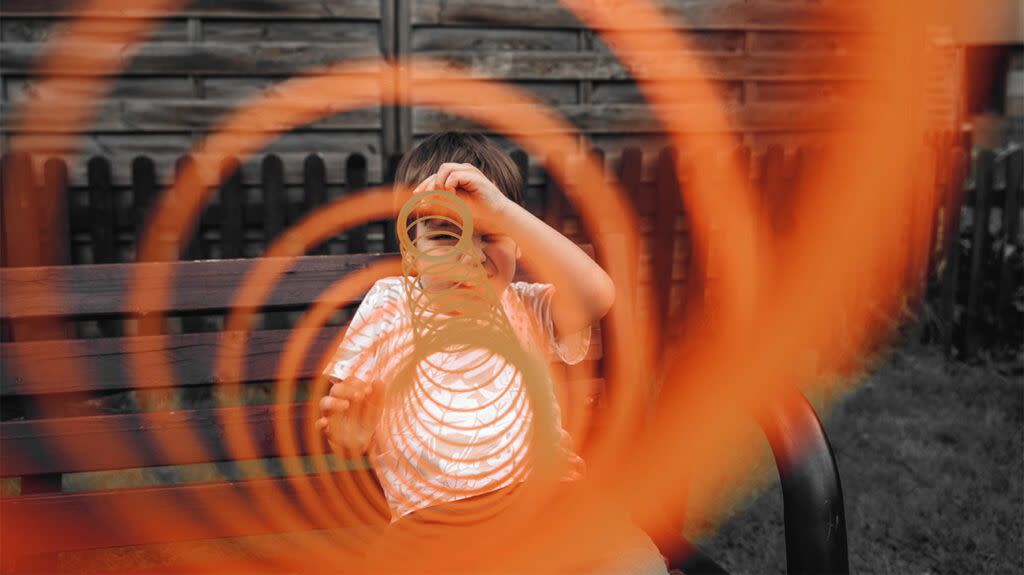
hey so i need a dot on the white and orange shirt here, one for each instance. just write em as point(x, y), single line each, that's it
point(464, 427)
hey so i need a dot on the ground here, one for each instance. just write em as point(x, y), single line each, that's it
point(932, 464)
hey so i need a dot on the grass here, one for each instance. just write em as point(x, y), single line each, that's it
point(932, 464)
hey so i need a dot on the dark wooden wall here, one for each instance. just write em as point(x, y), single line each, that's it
point(773, 62)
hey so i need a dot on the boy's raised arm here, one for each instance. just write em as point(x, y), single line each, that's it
point(584, 293)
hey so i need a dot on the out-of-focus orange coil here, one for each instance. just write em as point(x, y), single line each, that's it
point(752, 294)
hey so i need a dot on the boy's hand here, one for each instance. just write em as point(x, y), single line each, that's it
point(350, 412)
point(484, 198)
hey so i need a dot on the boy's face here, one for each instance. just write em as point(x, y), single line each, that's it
point(495, 253)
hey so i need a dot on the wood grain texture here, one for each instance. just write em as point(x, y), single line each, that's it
point(83, 443)
point(170, 114)
point(300, 9)
point(183, 58)
point(111, 361)
point(18, 29)
point(684, 14)
point(206, 285)
point(98, 290)
point(164, 166)
point(72, 444)
point(182, 509)
point(597, 66)
point(632, 118)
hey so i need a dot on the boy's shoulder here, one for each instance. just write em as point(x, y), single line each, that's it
point(385, 290)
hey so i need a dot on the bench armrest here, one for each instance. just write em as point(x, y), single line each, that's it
point(812, 495)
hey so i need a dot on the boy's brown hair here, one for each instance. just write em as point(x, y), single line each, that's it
point(462, 148)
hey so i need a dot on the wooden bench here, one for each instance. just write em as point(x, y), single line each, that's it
point(40, 450)
point(53, 381)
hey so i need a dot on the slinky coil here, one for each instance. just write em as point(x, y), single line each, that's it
point(470, 324)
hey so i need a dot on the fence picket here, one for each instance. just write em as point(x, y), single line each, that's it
point(954, 194)
point(275, 211)
point(390, 234)
point(979, 252)
point(55, 234)
point(1011, 248)
point(554, 197)
point(232, 209)
point(355, 180)
point(144, 194)
point(314, 185)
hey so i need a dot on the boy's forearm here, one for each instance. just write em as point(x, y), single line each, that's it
point(583, 291)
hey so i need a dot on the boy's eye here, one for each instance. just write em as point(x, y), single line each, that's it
point(491, 238)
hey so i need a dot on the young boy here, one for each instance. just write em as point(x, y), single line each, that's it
point(468, 435)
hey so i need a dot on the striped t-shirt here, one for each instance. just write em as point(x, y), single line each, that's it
point(464, 427)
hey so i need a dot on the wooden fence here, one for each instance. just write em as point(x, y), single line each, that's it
point(974, 295)
point(973, 283)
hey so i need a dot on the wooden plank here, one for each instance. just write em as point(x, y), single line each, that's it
point(22, 89)
point(668, 203)
point(20, 29)
point(166, 148)
point(684, 14)
point(55, 236)
point(650, 65)
point(144, 193)
point(284, 58)
point(232, 201)
point(1008, 277)
point(112, 361)
point(700, 41)
point(275, 203)
point(315, 191)
point(954, 194)
point(276, 208)
point(125, 517)
point(102, 225)
point(239, 88)
point(242, 9)
point(98, 290)
point(618, 92)
point(555, 204)
point(492, 40)
point(254, 554)
point(980, 249)
point(19, 226)
point(638, 119)
point(815, 91)
point(326, 30)
point(183, 58)
point(109, 442)
point(194, 239)
point(808, 41)
point(20, 237)
point(164, 164)
point(105, 442)
point(356, 179)
point(170, 114)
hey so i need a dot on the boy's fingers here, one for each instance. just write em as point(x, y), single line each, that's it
point(447, 168)
point(330, 405)
point(350, 389)
point(426, 184)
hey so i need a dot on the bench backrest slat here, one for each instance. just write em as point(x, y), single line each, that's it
point(106, 442)
point(180, 508)
point(207, 285)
